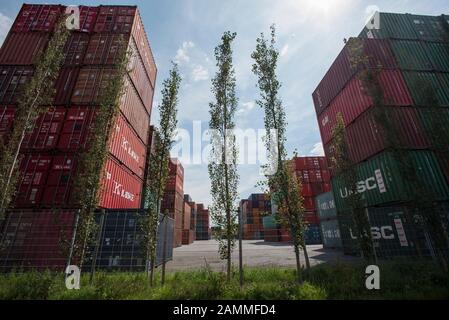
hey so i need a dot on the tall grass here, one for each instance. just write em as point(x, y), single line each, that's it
point(399, 280)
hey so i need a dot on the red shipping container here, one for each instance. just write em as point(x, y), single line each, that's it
point(37, 18)
point(118, 19)
point(379, 54)
point(316, 188)
point(12, 82)
point(6, 119)
point(122, 189)
point(77, 125)
point(187, 215)
point(311, 218)
point(64, 85)
point(309, 203)
point(144, 49)
point(127, 147)
point(75, 49)
point(315, 176)
point(23, 48)
point(34, 169)
point(103, 49)
point(367, 138)
point(46, 130)
point(36, 239)
point(134, 111)
point(307, 190)
point(90, 84)
point(352, 101)
point(88, 17)
point(177, 239)
point(140, 78)
point(187, 237)
point(325, 174)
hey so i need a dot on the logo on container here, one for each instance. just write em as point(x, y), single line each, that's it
point(371, 183)
point(378, 233)
point(129, 149)
point(120, 191)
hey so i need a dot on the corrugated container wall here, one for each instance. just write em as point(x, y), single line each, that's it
point(52, 148)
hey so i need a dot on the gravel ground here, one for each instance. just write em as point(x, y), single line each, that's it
point(255, 253)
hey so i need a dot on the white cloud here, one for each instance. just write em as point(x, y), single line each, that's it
point(182, 52)
point(284, 50)
point(200, 73)
point(317, 149)
point(246, 107)
point(5, 25)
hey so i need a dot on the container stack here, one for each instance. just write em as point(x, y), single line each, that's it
point(327, 214)
point(173, 200)
point(315, 178)
point(51, 149)
point(188, 233)
point(50, 152)
point(407, 52)
point(203, 229)
point(253, 210)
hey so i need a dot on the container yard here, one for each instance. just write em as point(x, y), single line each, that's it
point(126, 179)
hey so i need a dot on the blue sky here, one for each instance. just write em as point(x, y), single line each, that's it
point(310, 35)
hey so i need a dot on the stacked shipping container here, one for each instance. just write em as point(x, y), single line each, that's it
point(408, 53)
point(203, 228)
point(253, 210)
point(188, 220)
point(51, 149)
point(315, 177)
point(173, 200)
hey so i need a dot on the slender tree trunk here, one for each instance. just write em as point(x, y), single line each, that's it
point(306, 256)
point(298, 263)
point(16, 153)
point(164, 249)
point(240, 249)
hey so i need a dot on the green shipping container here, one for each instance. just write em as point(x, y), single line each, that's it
point(325, 204)
point(269, 222)
point(438, 54)
point(411, 55)
point(391, 25)
point(380, 181)
point(391, 231)
point(331, 234)
point(407, 27)
point(428, 28)
point(439, 83)
point(431, 120)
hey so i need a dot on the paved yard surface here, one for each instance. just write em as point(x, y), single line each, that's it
point(255, 253)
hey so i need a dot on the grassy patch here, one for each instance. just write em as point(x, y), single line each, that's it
point(399, 280)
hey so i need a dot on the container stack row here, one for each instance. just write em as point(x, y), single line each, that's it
point(253, 210)
point(173, 199)
point(203, 227)
point(189, 221)
point(409, 58)
point(51, 149)
point(315, 179)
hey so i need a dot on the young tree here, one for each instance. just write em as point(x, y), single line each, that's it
point(157, 165)
point(283, 183)
point(344, 167)
point(36, 98)
point(90, 174)
point(223, 163)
